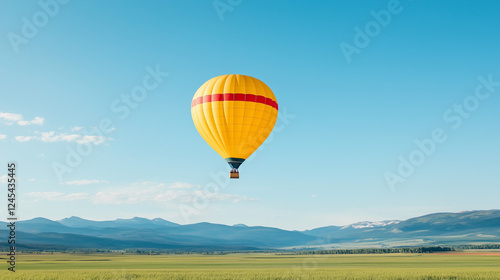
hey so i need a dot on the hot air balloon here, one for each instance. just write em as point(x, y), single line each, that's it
point(234, 114)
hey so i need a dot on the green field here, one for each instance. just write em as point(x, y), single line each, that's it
point(253, 266)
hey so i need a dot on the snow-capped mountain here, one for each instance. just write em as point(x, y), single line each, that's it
point(368, 224)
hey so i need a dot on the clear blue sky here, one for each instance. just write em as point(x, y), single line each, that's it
point(344, 124)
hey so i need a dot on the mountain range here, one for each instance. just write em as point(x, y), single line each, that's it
point(470, 227)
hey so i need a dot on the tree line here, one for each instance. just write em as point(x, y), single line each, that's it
point(481, 246)
point(431, 249)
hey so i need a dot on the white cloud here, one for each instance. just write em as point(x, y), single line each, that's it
point(36, 120)
point(58, 196)
point(144, 193)
point(160, 193)
point(10, 118)
point(23, 138)
point(148, 183)
point(4, 179)
point(314, 195)
point(182, 185)
point(77, 196)
point(52, 136)
point(3, 136)
point(41, 155)
point(85, 182)
point(77, 128)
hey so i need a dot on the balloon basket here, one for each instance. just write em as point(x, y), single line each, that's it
point(234, 175)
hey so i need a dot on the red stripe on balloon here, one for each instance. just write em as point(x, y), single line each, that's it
point(235, 97)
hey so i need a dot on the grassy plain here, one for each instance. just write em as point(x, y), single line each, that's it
point(253, 266)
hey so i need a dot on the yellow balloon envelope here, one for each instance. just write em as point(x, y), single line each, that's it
point(234, 114)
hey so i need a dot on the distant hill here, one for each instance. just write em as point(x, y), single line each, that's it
point(134, 222)
point(434, 229)
point(75, 232)
point(471, 227)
